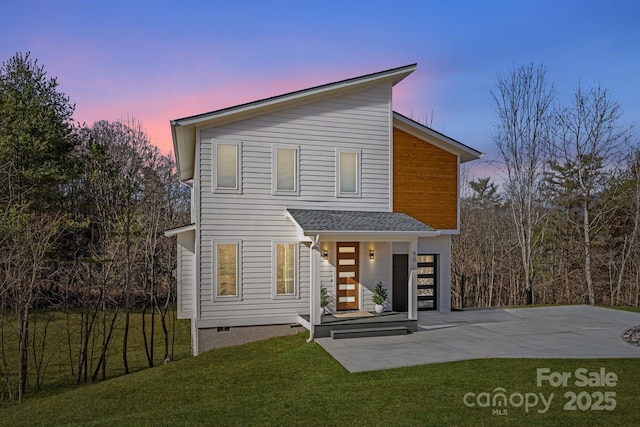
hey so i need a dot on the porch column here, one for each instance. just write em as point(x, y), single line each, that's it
point(412, 286)
point(314, 282)
point(195, 348)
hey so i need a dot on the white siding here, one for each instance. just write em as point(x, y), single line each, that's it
point(185, 278)
point(360, 120)
point(374, 270)
point(328, 274)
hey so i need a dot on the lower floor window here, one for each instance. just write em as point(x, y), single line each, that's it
point(285, 268)
point(227, 269)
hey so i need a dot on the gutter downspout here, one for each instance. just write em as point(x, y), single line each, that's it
point(312, 282)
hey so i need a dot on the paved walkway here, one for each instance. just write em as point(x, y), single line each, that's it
point(574, 332)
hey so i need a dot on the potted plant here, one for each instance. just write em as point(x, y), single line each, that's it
point(324, 299)
point(379, 297)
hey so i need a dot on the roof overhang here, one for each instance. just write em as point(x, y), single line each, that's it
point(183, 131)
point(179, 230)
point(465, 153)
point(184, 147)
point(360, 225)
point(186, 236)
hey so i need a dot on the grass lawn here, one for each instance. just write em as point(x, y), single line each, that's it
point(59, 359)
point(286, 381)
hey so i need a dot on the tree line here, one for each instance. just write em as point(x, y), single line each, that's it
point(561, 225)
point(83, 210)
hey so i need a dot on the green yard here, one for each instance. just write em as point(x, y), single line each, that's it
point(55, 365)
point(286, 381)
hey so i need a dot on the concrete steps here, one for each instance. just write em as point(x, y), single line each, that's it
point(381, 331)
point(376, 321)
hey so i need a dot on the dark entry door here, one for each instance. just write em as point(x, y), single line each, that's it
point(427, 282)
point(400, 282)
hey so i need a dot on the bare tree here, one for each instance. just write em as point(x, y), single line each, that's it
point(589, 141)
point(4, 299)
point(106, 254)
point(160, 202)
point(523, 101)
point(623, 229)
point(28, 239)
point(485, 262)
point(117, 180)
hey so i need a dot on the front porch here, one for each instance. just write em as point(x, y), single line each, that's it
point(371, 321)
point(351, 251)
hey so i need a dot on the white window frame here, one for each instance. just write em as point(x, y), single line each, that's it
point(296, 172)
point(214, 167)
point(358, 191)
point(274, 270)
point(238, 296)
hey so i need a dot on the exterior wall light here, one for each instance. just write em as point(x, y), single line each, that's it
point(325, 254)
point(371, 254)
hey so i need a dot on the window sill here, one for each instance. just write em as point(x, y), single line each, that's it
point(285, 297)
point(349, 195)
point(285, 193)
point(229, 298)
point(227, 191)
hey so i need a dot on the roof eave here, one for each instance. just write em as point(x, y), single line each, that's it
point(345, 231)
point(310, 233)
point(179, 230)
point(393, 76)
point(184, 147)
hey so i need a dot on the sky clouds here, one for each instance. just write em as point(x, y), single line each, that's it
point(162, 60)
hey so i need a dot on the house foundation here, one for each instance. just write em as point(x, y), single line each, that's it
point(212, 338)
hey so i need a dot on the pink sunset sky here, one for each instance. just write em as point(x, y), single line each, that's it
point(163, 60)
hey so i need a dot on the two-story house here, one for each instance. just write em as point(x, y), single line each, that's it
point(323, 187)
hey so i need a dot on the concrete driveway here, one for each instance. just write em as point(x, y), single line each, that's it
point(573, 332)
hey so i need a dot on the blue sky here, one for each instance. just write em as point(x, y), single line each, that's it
point(161, 60)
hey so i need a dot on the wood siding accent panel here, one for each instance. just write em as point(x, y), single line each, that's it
point(358, 120)
point(425, 181)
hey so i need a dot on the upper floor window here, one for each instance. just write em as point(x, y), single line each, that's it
point(227, 167)
point(285, 170)
point(348, 169)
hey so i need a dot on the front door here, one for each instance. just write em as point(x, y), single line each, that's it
point(400, 282)
point(427, 282)
point(347, 273)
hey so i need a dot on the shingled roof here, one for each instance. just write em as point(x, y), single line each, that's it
point(313, 221)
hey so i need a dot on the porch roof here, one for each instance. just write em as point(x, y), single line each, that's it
point(318, 222)
point(179, 230)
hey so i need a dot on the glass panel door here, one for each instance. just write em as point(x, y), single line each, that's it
point(427, 282)
point(347, 272)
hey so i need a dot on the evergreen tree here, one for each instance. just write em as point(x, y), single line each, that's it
point(36, 134)
point(36, 148)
